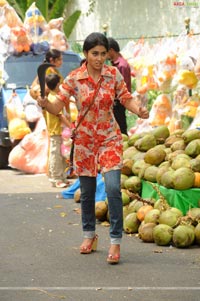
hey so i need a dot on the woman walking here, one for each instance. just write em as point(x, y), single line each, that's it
point(98, 140)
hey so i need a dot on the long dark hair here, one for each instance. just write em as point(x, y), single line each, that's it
point(95, 39)
point(52, 53)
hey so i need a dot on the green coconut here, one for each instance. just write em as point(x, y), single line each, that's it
point(180, 161)
point(133, 138)
point(195, 164)
point(190, 135)
point(127, 167)
point(168, 217)
point(129, 152)
point(161, 170)
point(145, 232)
point(125, 211)
point(138, 156)
point(171, 140)
point(133, 184)
point(161, 204)
point(101, 209)
point(138, 166)
point(131, 223)
point(145, 143)
point(183, 178)
point(164, 164)
point(177, 145)
point(167, 152)
point(150, 173)
point(152, 216)
point(177, 211)
point(162, 234)
point(125, 145)
point(179, 132)
point(171, 156)
point(197, 233)
point(134, 206)
point(124, 137)
point(161, 133)
point(77, 195)
point(193, 148)
point(167, 178)
point(194, 213)
point(155, 156)
point(125, 197)
point(123, 179)
point(183, 236)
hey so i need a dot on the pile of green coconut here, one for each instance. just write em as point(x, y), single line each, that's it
point(171, 160)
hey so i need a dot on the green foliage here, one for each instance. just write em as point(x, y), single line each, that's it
point(91, 7)
point(43, 7)
point(58, 9)
point(70, 23)
point(77, 47)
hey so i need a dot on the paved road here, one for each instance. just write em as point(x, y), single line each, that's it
point(40, 260)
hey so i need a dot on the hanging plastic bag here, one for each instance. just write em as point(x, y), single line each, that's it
point(14, 107)
point(18, 128)
point(32, 110)
point(37, 29)
point(31, 154)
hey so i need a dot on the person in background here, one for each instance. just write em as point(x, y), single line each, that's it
point(55, 123)
point(122, 65)
point(98, 141)
point(54, 57)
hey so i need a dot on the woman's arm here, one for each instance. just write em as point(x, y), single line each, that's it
point(53, 107)
point(130, 102)
point(133, 106)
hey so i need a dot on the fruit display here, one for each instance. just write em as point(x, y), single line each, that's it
point(171, 160)
point(154, 221)
point(159, 158)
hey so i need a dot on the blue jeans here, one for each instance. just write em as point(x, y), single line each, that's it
point(113, 190)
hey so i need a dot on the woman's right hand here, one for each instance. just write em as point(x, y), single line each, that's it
point(42, 101)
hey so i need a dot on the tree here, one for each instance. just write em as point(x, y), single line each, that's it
point(50, 9)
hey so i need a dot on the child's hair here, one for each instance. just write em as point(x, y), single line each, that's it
point(95, 39)
point(52, 53)
point(52, 80)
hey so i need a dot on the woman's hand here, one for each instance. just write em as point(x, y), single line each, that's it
point(143, 113)
point(42, 101)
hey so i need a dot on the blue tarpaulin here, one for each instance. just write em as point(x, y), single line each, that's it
point(100, 190)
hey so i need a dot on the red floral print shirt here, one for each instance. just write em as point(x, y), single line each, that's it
point(98, 141)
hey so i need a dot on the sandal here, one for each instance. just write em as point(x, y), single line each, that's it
point(114, 258)
point(61, 184)
point(90, 247)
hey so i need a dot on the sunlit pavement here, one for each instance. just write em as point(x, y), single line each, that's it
point(40, 260)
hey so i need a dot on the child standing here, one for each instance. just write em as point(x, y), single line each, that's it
point(55, 123)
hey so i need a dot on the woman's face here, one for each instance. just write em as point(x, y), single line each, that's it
point(57, 62)
point(96, 57)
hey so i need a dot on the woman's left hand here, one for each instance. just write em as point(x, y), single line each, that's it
point(143, 113)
